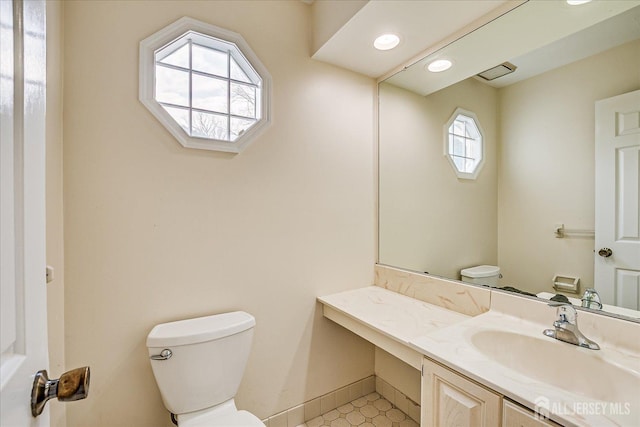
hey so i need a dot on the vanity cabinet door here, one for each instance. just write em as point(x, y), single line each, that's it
point(514, 415)
point(450, 400)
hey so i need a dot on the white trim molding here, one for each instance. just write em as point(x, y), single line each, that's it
point(147, 82)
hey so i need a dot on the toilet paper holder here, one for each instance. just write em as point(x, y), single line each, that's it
point(566, 284)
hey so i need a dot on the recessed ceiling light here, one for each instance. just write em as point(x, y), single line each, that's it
point(577, 2)
point(439, 65)
point(386, 42)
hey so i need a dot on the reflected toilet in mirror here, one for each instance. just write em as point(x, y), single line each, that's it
point(487, 275)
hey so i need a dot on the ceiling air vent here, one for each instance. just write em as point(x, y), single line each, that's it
point(498, 71)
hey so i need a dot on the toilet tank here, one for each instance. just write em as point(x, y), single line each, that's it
point(209, 355)
point(487, 275)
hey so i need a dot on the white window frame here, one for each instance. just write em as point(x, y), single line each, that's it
point(461, 174)
point(152, 44)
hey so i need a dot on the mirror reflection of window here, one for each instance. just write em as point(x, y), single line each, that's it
point(464, 144)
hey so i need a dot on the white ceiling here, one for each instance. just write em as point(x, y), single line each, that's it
point(603, 36)
point(420, 24)
point(536, 37)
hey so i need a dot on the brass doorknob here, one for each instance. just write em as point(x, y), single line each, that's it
point(72, 385)
point(605, 252)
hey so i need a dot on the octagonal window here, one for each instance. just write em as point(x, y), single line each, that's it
point(205, 85)
point(463, 144)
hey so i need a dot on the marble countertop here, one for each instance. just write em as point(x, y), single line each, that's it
point(397, 316)
point(555, 386)
point(568, 383)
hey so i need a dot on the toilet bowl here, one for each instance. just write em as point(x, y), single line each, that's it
point(487, 275)
point(198, 365)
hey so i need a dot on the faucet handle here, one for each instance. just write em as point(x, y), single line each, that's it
point(566, 313)
point(591, 297)
point(566, 327)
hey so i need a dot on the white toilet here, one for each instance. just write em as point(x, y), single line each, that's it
point(198, 365)
point(487, 275)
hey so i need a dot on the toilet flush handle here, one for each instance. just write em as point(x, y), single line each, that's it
point(164, 355)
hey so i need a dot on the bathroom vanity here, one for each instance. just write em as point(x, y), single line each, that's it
point(449, 397)
point(483, 359)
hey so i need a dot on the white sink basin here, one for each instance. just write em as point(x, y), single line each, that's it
point(572, 385)
point(577, 370)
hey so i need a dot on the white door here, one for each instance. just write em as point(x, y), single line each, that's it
point(22, 214)
point(617, 259)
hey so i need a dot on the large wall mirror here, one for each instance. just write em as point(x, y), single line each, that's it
point(531, 209)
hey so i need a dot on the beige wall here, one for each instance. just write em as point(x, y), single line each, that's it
point(429, 219)
point(155, 232)
point(399, 374)
point(547, 166)
point(54, 204)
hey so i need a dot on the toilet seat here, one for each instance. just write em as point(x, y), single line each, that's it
point(233, 419)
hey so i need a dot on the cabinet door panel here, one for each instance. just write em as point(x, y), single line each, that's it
point(449, 399)
point(456, 407)
point(514, 415)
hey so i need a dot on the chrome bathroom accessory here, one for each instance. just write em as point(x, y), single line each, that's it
point(591, 299)
point(566, 327)
point(561, 232)
point(71, 386)
point(164, 355)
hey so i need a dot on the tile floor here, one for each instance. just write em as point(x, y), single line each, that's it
point(371, 410)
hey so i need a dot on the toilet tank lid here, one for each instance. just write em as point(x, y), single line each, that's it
point(481, 271)
point(201, 329)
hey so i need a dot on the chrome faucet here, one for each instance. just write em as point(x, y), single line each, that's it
point(591, 299)
point(566, 327)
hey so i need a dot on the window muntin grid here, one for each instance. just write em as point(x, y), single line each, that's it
point(465, 144)
point(208, 87)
